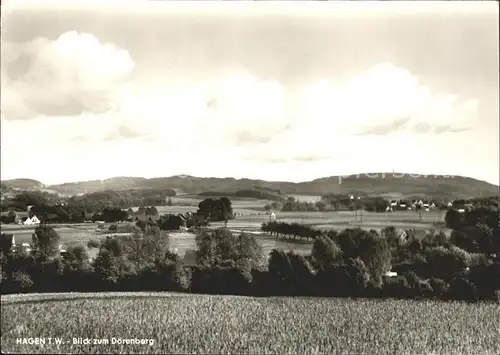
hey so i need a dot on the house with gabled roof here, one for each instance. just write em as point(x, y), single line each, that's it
point(32, 221)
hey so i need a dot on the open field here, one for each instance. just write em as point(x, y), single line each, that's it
point(238, 203)
point(71, 234)
point(186, 324)
point(180, 242)
point(251, 221)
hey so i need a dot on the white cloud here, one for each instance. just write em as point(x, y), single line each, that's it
point(384, 100)
point(236, 122)
point(69, 76)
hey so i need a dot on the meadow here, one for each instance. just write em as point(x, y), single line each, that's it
point(191, 324)
point(250, 216)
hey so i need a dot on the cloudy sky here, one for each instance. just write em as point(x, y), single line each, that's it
point(277, 91)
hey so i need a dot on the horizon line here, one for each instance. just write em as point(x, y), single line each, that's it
point(384, 174)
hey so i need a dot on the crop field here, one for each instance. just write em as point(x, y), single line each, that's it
point(202, 324)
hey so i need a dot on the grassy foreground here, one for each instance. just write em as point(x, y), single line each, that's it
point(244, 325)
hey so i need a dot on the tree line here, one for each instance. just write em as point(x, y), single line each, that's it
point(349, 263)
point(335, 202)
point(89, 208)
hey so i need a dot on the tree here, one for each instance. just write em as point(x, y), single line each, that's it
point(76, 259)
point(325, 252)
point(6, 243)
point(170, 222)
point(453, 219)
point(250, 250)
point(446, 262)
point(45, 240)
point(290, 273)
point(227, 209)
point(391, 235)
point(145, 247)
point(372, 249)
point(375, 253)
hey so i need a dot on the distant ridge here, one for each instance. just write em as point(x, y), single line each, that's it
point(387, 183)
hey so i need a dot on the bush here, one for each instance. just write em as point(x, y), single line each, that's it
point(418, 288)
point(291, 273)
point(486, 278)
point(93, 244)
point(439, 287)
point(21, 282)
point(344, 279)
point(461, 289)
point(397, 287)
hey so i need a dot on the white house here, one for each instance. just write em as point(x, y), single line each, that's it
point(31, 221)
point(272, 216)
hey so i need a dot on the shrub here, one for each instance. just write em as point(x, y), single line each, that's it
point(439, 287)
point(291, 273)
point(93, 244)
point(21, 281)
point(345, 279)
point(486, 278)
point(397, 287)
point(462, 289)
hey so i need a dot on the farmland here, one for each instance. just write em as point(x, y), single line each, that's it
point(250, 215)
point(245, 325)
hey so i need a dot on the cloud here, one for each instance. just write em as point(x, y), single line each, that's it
point(244, 110)
point(72, 75)
point(387, 99)
point(238, 118)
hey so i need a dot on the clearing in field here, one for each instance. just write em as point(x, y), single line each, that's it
point(186, 324)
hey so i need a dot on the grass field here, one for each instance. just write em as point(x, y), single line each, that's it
point(180, 242)
point(188, 324)
point(251, 215)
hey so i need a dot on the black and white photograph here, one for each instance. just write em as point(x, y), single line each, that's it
point(249, 177)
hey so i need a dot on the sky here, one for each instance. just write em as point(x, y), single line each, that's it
point(285, 91)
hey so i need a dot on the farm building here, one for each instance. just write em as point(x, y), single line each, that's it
point(272, 216)
point(32, 221)
point(391, 274)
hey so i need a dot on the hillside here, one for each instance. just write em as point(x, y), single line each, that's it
point(385, 184)
point(22, 184)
